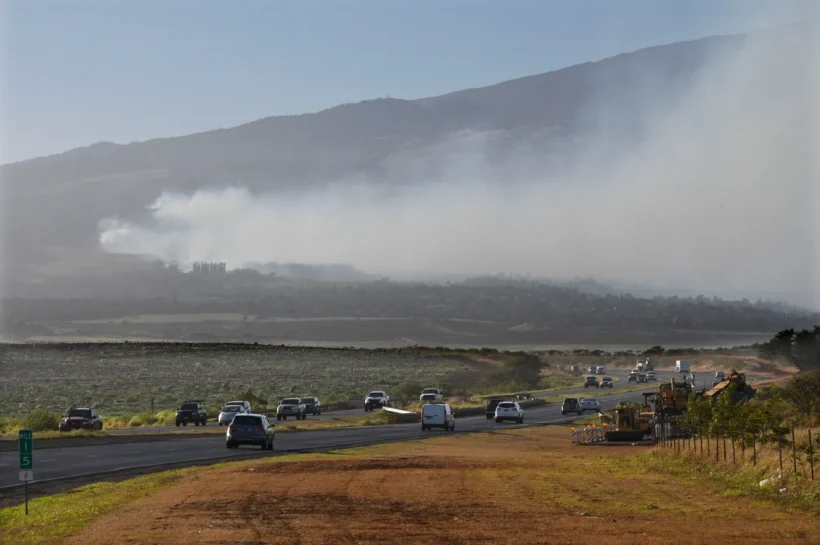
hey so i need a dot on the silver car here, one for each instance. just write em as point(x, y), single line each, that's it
point(250, 429)
point(291, 406)
point(228, 412)
point(509, 410)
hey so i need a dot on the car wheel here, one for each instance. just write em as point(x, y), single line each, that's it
point(204, 422)
point(228, 445)
point(185, 423)
point(564, 413)
point(522, 420)
point(498, 421)
point(196, 422)
point(177, 424)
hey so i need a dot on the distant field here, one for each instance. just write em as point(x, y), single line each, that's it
point(368, 331)
point(120, 378)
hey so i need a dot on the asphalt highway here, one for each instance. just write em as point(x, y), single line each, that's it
point(620, 376)
point(80, 461)
point(87, 461)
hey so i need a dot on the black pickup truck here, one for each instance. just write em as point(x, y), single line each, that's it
point(492, 403)
point(191, 411)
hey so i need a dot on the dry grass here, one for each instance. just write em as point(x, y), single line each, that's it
point(514, 486)
point(739, 469)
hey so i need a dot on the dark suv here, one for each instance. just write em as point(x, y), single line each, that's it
point(83, 418)
point(191, 411)
point(492, 403)
point(312, 406)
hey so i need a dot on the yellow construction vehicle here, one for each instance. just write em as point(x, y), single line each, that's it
point(671, 400)
point(630, 424)
point(743, 392)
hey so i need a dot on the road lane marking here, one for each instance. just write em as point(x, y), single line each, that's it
point(49, 460)
point(92, 455)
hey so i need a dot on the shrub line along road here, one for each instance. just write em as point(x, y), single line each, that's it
point(88, 461)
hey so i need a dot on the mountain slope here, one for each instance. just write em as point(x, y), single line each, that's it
point(57, 201)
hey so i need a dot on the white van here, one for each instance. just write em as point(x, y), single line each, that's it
point(437, 415)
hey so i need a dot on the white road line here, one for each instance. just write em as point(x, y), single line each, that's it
point(4, 465)
point(49, 460)
point(92, 455)
point(171, 449)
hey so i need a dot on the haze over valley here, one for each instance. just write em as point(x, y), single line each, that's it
point(683, 169)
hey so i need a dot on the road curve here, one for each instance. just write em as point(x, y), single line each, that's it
point(63, 463)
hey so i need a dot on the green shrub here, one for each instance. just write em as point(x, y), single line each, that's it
point(41, 420)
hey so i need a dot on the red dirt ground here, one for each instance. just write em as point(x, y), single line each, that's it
point(525, 486)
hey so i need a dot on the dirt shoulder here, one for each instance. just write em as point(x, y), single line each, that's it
point(514, 486)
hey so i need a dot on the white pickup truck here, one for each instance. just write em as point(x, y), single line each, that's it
point(431, 394)
point(682, 366)
point(376, 399)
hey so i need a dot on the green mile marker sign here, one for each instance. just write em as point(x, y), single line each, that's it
point(26, 439)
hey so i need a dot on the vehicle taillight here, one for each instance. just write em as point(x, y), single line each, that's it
point(259, 428)
point(231, 427)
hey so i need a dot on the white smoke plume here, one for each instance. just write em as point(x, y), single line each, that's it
point(722, 197)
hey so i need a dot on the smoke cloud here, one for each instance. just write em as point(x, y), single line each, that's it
point(720, 195)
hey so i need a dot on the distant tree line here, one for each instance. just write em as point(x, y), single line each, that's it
point(799, 347)
point(541, 306)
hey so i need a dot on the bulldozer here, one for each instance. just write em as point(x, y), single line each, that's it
point(742, 393)
point(630, 424)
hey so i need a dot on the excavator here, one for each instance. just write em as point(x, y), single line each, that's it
point(671, 400)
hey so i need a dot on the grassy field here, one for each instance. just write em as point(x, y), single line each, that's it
point(449, 489)
point(121, 378)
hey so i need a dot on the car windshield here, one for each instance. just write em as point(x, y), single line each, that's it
point(245, 420)
point(307, 400)
point(81, 413)
point(506, 405)
point(291, 401)
point(231, 409)
point(375, 394)
point(429, 391)
point(188, 407)
point(237, 403)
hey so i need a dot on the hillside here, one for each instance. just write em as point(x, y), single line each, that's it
point(250, 307)
point(55, 203)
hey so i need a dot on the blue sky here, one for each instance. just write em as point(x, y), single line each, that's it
point(84, 71)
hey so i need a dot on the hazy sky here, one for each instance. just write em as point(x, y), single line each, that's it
point(79, 72)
